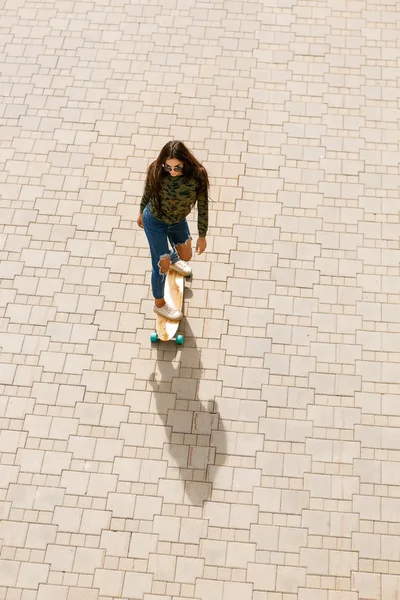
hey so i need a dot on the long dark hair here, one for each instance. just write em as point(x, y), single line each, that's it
point(191, 167)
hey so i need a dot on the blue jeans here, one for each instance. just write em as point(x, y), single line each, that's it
point(158, 233)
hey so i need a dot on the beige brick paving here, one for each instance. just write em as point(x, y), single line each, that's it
point(262, 460)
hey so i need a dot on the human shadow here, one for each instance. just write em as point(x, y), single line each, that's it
point(190, 419)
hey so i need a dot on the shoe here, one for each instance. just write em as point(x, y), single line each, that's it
point(168, 312)
point(182, 268)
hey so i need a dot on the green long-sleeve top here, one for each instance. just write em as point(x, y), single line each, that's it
point(177, 198)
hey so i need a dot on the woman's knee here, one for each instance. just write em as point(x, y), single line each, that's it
point(165, 264)
point(185, 251)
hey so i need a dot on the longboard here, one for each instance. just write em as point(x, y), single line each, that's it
point(173, 293)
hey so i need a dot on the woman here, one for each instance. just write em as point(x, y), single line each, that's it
point(175, 182)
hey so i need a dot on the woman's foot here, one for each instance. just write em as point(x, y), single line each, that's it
point(182, 268)
point(168, 312)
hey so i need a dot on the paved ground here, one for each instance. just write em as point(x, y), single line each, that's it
point(262, 460)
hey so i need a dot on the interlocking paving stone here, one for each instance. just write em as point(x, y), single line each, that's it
point(260, 460)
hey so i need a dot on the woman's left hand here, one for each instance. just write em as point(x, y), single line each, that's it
point(201, 245)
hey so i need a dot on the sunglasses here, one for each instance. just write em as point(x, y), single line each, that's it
point(177, 169)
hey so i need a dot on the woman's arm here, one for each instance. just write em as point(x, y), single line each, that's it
point(144, 202)
point(146, 196)
point(202, 209)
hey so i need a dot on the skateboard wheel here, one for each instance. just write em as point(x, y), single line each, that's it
point(153, 336)
point(180, 339)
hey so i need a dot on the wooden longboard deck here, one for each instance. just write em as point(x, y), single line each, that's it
point(173, 294)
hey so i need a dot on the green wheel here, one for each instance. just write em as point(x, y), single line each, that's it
point(153, 336)
point(180, 339)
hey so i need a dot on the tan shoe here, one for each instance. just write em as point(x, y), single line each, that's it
point(168, 312)
point(182, 268)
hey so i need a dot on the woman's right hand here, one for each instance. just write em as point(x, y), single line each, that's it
point(140, 220)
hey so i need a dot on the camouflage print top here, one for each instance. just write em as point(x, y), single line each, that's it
point(177, 198)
